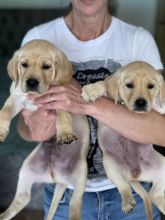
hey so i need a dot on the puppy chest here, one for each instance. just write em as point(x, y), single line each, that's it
point(123, 151)
point(62, 158)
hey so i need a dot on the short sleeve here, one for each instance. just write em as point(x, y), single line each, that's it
point(30, 35)
point(145, 49)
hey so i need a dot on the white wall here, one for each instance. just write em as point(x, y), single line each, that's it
point(138, 12)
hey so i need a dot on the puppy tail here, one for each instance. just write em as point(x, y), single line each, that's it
point(58, 193)
point(145, 197)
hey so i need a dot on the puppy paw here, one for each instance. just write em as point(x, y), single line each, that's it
point(128, 204)
point(66, 138)
point(4, 129)
point(89, 93)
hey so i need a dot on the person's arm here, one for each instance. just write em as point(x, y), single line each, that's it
point(23, 129)
point(143, 128)
point(37, 126)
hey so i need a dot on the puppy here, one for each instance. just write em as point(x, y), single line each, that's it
point(33, 68)
point(52, 163)
point(136, 86)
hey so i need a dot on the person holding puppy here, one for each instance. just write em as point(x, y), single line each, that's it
point(97, 44)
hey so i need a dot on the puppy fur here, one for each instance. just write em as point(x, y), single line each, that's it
point(33, 68)
point(126, 163)
point(50, 162)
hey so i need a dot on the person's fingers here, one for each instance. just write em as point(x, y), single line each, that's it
point(50, 97)
point(70, 106)
point(59, 96)
point(58, 105)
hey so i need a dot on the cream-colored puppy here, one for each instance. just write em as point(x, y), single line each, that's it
point(136, 85)
point(63, 164)
point(34, 67)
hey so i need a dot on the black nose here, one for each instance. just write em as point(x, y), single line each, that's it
point(140, 104)
point(32, 84)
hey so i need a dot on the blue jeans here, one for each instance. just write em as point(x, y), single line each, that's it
point(104, 205)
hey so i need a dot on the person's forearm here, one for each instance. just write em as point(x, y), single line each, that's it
point(23, 129)
point(143, 128)
point(40, 125)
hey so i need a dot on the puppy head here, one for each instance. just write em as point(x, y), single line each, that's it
point(137, 84)
point(37, 64)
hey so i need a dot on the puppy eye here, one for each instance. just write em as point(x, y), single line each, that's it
point(130, 85)
point(25, 65)
point(151, 86)
point(46, 66)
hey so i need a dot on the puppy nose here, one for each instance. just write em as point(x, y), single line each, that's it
point(32, 84)
point(140, 103)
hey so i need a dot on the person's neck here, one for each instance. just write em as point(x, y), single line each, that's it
point(88, 28)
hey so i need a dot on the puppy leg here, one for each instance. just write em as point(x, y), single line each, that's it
point(5, 118)
point(114, 173)
point(21, 198)
point(157, 194)
point(138, 188)
point(59, 191)
point(65, 133)
point(93, 91)
point(77, 196)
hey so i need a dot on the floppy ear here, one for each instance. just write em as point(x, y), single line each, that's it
point(64, 70)
point(12, 68)
point(112, 86)
point(161, 85)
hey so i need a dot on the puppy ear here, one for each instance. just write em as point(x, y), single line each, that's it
point(12, 68)
point(112, 86)
point(64, 70)
point(161, 85)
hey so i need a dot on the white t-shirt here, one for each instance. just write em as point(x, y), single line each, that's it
point(94, 60)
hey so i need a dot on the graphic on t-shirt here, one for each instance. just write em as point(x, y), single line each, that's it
point(91, 72)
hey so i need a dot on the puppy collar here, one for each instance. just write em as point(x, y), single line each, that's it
point(121, 102)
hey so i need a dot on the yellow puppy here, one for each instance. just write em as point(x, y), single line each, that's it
point(136, 85)
point(34, 67)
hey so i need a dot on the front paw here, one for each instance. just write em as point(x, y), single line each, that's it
point(4, 129)
point(66, 138)
point(89, 93)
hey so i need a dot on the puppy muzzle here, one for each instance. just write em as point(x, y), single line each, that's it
point(140, 105)
point(32, 84)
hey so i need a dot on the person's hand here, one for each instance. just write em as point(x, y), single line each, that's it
point(41, 123)
point(67, 98)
